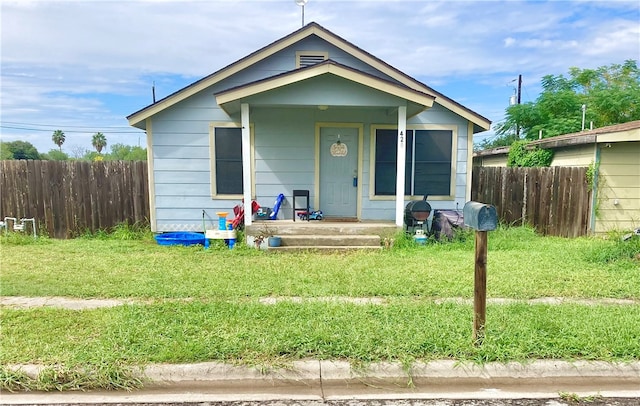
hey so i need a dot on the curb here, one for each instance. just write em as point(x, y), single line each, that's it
point(331, 371)
point(318, 380)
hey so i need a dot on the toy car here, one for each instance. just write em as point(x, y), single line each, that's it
point(314, 215)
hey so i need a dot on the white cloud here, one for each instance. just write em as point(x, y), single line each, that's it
point(67, 61)
point(618, 38)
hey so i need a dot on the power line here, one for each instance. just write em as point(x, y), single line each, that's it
point(65, 126)
point(68, 131)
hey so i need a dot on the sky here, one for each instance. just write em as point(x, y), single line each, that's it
point(83, 66)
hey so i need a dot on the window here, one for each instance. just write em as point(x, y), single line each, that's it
point(428, 162)
point(308, 58)
point(227, 150)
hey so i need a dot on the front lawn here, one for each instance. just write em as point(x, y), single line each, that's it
point(521, 264)
point(187, 304)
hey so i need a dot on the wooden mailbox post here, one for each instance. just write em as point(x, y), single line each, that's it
point(482, 218)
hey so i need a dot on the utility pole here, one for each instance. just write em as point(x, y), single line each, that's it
point(519, 98)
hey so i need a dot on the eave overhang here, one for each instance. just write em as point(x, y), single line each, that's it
point(230, 99)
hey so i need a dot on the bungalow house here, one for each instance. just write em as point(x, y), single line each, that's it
point(310, 111)
point(614, 154)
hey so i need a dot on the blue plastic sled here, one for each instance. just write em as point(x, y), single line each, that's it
point(276, 207)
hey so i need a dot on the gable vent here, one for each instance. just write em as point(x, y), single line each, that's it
point(311, 58)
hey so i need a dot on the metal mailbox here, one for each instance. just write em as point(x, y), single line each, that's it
point(480, 216)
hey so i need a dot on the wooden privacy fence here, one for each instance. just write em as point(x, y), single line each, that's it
point(70, 197)
point(556, 201)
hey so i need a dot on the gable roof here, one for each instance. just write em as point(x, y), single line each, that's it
point(137, 119)
point(602, 134)
point(229, 99)
point(629, 131)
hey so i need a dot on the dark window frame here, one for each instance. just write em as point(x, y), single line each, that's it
point(433, 173)
point(227, 179)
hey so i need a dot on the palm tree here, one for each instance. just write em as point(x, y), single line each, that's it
point(99, 141)
point(58, 138)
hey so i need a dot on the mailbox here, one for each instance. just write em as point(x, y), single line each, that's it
point(480, 216)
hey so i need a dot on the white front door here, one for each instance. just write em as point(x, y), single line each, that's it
point(338, 170)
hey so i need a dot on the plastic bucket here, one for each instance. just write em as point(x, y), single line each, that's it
point(275, 241)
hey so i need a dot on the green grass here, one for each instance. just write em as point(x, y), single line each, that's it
point(193, 305)
point(520, 265)
point(64, 378)
point(253, 332)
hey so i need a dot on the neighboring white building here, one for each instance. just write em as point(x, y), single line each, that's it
point(614, 151)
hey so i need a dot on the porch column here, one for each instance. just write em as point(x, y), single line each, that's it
point(246, 162)
point(402, 156)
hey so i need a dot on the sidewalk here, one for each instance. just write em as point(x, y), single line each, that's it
point(314, 380)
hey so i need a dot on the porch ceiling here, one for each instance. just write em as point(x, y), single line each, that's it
point(325, 84)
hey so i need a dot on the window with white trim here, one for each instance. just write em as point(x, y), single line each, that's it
point(428, 168)
point(227, 158)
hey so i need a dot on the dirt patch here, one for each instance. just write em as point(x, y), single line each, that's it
point(21, 302)
point(331, 299)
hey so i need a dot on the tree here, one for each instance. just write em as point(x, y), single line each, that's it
point(78, 151)
point(20, 150)
point(122, 152)
point(55, 155)
point(609, 93)
point(5, 152)
point(58, 138)
point(99, 141)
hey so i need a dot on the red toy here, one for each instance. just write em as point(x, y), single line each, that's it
point(238, 211)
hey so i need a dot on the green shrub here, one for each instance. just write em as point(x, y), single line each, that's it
point(135, 231)
point(122, 231)
point(403, 240)
point(615, 248)
point(20, 238)
point(521, 156)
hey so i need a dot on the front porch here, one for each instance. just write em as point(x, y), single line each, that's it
point(310, 129)
point(324, 234)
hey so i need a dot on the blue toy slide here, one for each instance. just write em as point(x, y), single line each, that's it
point(276, 207)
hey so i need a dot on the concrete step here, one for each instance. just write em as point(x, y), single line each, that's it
point(323, 248)
point(284, 228)
point(330, 240)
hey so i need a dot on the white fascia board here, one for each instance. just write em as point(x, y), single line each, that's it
point(239, 93)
